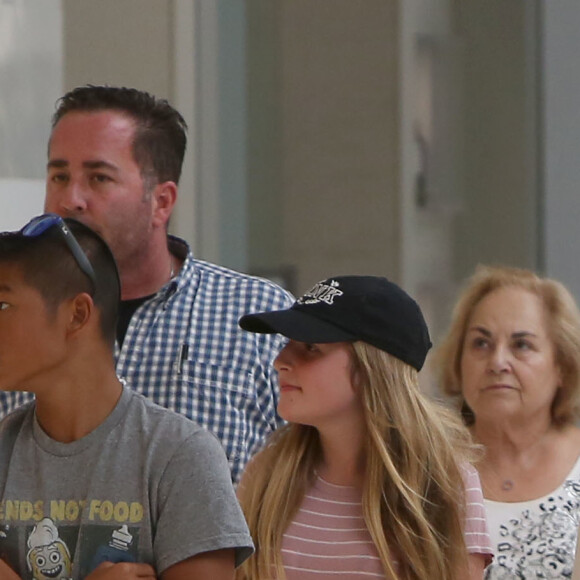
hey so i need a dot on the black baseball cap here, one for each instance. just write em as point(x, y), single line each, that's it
point(350, 308)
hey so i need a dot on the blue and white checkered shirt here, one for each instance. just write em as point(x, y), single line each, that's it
point(184, 350)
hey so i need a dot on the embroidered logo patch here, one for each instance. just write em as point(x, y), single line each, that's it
point(322, 292)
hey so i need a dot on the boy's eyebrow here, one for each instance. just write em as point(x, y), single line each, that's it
point(5, 288)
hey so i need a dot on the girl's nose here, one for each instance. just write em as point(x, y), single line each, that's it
point(282, 361)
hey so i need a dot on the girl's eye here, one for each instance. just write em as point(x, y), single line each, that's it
point(522, 345)
point(4, 305)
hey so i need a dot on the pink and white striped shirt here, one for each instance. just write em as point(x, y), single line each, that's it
point(328, 538)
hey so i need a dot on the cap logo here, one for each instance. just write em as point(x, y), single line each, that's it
point(321, 292)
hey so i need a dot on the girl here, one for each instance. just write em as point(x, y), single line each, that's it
point(368, 479)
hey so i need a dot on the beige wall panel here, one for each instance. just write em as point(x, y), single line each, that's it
point(119, 42)
point(339, 137)
point(500, 197)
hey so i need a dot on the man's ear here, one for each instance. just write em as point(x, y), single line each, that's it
point(164, 199)
point(80, 310)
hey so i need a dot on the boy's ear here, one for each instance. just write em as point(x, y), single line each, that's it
point(80, 311)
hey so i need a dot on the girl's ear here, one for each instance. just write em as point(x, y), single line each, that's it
point(356, 374)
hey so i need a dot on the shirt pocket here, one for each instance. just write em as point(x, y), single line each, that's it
point(219, 398)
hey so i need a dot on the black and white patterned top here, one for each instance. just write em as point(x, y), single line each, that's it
point(536, 539)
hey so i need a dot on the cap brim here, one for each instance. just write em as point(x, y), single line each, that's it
point(295, 325)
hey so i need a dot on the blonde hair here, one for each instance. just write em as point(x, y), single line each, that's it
point(563, 320)
point(413, 492)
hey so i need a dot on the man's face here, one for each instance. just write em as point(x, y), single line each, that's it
point(93, 177)
point(32, 345)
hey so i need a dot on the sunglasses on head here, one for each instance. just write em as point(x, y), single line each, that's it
point(38, 225)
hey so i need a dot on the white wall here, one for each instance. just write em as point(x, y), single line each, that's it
point(429, 108)
point(20, 199)
point(30, 82)
point(561, 125)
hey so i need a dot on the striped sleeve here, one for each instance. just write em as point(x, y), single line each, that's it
point(476, 532)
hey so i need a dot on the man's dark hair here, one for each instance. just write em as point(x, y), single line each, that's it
point(48, 265)
point(160, 133)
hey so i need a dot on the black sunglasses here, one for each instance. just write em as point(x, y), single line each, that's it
point(38, 225)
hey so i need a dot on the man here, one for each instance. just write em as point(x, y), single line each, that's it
point(96, 481)
point(115, 157)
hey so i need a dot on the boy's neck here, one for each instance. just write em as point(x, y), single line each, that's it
point(74, 408)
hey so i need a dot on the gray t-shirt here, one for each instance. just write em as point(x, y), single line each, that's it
point(147, 485)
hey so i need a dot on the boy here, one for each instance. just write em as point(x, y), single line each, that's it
point(95, 480)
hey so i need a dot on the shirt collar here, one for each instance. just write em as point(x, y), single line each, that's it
point(180, 248)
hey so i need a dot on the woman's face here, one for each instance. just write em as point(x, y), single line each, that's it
point(508, 367)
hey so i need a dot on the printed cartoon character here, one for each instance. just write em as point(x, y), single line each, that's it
point(48, 556)
point(4, 532)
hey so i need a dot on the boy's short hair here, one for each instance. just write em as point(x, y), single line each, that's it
point(48, 265)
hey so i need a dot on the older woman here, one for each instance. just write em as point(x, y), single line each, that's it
point(512, 359)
